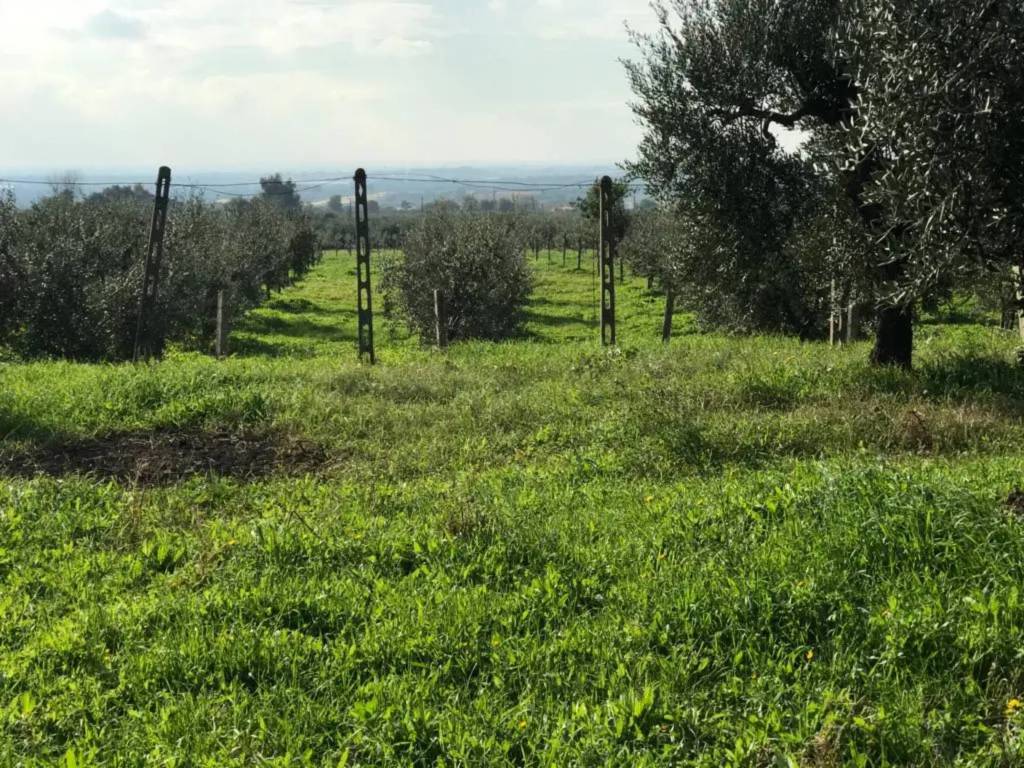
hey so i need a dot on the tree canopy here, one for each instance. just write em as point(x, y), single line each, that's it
point(873, 131)
point(280, 193)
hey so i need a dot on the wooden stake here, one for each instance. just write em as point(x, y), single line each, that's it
point(441, 320)
point(832, 309)
point(222, 336)
point(1020, 300)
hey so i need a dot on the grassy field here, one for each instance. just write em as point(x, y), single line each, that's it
point(727, 551)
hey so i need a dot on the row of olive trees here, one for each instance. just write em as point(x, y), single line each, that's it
point(558, 232)
point(729, 284)
point(475, 259)
point(71, 270)
point(337, 230)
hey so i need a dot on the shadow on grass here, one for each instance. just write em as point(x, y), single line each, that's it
point(248, 346)
point(540, 301)
point(19, 426)
point(581, 334)
point(708, 450)
point(548, 321)
point(959, 315)
point(945, 408)
point(968, 376)
point(578, 330)
point(297, 328)
point(957, 318)
point(304, 307)
point(961, 378)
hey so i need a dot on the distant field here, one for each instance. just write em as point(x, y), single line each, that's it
point(728, 551)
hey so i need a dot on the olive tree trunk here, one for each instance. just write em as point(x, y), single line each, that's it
point(894, 339)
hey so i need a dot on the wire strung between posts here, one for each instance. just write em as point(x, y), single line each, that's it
point(268, 193)
point(212, 189)
point(179, 184)
point(499, 185)
point(502, 185)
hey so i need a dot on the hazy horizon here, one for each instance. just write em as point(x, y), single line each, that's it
point(389, 185)
point(323, 169)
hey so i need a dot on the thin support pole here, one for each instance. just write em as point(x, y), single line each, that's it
point(363, 282)
point(440, 320)
point(222, 336)
point(607, 259)
point(1019, 290)
point(147, 343)
point(832, 314)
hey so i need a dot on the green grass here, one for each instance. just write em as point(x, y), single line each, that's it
point(727, 551)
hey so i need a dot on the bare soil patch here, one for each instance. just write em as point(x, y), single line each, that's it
point(1016, 502)
point(168, 456)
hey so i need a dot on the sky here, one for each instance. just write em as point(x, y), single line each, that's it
point(225, 84)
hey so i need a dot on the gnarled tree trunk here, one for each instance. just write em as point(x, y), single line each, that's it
point(894, 339)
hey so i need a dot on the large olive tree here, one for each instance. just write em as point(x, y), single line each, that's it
point(939, 133)
point(905, 107)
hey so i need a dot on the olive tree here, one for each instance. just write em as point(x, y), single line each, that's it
point(939, 136)
point(71, 270)
point(905, 107)
point(590, 207)
point(79, 265)
point(477, 262)
point(10, 278)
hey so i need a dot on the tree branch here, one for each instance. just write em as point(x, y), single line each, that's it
point(766, 115)
point(832, 102)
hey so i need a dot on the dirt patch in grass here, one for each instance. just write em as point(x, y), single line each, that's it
point(1016, 502)
point(168, 456)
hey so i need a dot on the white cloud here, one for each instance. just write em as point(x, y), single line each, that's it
point(113, 25)
point(284, 25)
point(586, 19)
point(602, 20)
point(101, 67)
point(262, 82)
point(102, 57)
point(192, 25)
